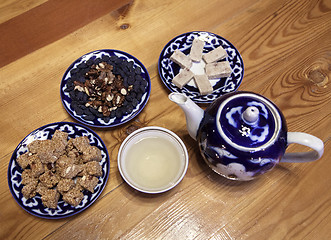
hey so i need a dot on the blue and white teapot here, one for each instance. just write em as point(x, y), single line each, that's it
point(242, 135)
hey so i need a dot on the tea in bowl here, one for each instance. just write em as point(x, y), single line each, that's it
point(152, 159)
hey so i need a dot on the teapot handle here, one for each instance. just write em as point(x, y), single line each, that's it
point(307, 140)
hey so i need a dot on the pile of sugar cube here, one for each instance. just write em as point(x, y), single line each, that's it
point(213, 68)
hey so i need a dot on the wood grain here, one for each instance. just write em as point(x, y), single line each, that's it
point(10, 9)
point(286, 50)
point(41, 25)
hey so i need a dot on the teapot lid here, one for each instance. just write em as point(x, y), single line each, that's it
point(248, 122)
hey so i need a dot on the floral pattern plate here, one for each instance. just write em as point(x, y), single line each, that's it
point(168, 69)
point(101, 122)
point(34, 205)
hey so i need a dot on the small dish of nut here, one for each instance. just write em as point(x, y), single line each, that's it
point(105, 88)
point(58, 170)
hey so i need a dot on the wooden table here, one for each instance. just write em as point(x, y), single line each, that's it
point(286, 49)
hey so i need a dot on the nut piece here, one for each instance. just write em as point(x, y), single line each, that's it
point(70, 171)
point(124, 91)
point(110, 97)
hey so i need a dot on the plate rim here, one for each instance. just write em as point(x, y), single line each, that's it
point(144, 103)
point(210, 33)
point(12, 159)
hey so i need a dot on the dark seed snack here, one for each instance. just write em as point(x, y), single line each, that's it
point(105, 88)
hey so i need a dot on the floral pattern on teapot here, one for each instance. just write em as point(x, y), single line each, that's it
point(240, 131)
point(240, 149)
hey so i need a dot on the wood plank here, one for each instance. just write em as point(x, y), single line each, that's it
point(40, 26)
point(291, 202)
point(10, 9)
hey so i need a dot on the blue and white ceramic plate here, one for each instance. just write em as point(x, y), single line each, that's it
point(34, 205)
point(168, 69)
point(104, 55)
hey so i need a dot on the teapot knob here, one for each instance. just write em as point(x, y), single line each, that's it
point(251, 115)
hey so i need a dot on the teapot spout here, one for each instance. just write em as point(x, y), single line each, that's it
point(193, 113)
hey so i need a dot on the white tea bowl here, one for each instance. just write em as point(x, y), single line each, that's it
point(152, 159)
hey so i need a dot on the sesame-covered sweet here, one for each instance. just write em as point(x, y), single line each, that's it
point(23, 160)
point(49, 179)
point(27, 176)
point(93, 168)
point(75, 155)
point(61, 137)
point(36, 166)
point(70, 171)
point(41, 188)
point(34, 146)
point(50, 198)
point(91, 153)
point(70, 145)
point(83, 172)
point(59, 149)
point(52, 167)
point(45, 151)
point(63, 162)
point(29, 190)
point(88, 182)
point(81, 143)
point(73, 196)
point(65, 184)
